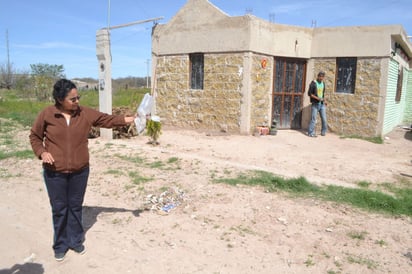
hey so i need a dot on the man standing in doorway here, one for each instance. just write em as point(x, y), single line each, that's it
point(316, 93)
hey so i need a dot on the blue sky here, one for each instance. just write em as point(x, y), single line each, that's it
point(64, 32)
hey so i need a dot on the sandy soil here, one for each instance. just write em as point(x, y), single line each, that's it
point(213, 228)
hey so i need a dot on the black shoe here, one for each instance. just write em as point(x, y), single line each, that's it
point(59, 256)
point(312, 135)
point(323, 134)
point(80, 249)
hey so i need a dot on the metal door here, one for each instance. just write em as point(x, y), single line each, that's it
point(288, 89)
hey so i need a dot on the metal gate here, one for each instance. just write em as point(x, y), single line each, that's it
point(288, 89)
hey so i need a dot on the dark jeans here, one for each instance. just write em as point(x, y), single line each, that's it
point(66, 193)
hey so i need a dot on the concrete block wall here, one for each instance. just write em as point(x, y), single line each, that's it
point(261, 88)
point(353, 114)
point(216, 107)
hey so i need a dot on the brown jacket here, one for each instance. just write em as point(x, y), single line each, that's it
point(68, 144)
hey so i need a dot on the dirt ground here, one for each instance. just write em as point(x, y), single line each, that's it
point(212, 227)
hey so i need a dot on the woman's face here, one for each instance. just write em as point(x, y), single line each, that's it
point(71, 102)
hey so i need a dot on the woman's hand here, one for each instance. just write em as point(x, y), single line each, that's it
point(47, 158)
point(129, 119)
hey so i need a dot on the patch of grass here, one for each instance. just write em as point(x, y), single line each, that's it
point(172, 160)
point(370, 200)
point(357, 235)
point(381, 243)
point(226, 172)
point(9, 147)
point(17, 107)
point(138, 179)
point(21, 154)
point(133, 159)
point(4, 173)
point(273, 183)
point(129, 97)
point(376, 140)
point(157, 164)
point(327, 256)
point(22, 111)
point(370, 264)
point(121, 98)
point(243, 230)
point(309, 261)
point(114, 172)
point(171, 164)
point(400, 203)
point(364, 184)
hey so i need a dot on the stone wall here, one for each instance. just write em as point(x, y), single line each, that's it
point(353, 114)
point(216, 107)
point(261, 88)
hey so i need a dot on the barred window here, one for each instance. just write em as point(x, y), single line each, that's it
point(346, 74)
point(196, 70)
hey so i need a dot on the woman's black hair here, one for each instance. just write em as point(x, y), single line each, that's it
point(60, 90)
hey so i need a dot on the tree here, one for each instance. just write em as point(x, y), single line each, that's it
point(7, 73)
point(44, 76)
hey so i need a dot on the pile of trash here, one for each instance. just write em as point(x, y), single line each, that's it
point(166, 201)
point(143, 112)
point(121, 132)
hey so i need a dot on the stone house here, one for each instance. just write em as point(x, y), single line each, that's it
point(217, 72)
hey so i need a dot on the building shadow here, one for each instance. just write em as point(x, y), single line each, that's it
point(27, 268)
point(90, 214)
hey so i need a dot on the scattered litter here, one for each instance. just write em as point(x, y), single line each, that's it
point(169, 207)
point(144, 110)
point(283, 220)
point(166, 201)
point(30, 259)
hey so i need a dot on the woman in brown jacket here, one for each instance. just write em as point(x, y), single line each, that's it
point(59, 137)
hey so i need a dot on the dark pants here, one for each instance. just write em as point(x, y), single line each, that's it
point(66, 193)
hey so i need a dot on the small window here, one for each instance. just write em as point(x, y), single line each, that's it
point(196, 70)
point(399, 86)
point(346, 74)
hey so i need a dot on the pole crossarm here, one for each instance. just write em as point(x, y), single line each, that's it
point(104, 57)
point(134, 23)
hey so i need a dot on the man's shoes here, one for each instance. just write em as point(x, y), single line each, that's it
point(312, 135)
point(59, 256)
point(80, 249)
point(323, 134)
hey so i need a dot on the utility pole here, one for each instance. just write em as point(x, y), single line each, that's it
point(104, 56)
point(313, 23)
point(272, 17)
point(8, 77)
